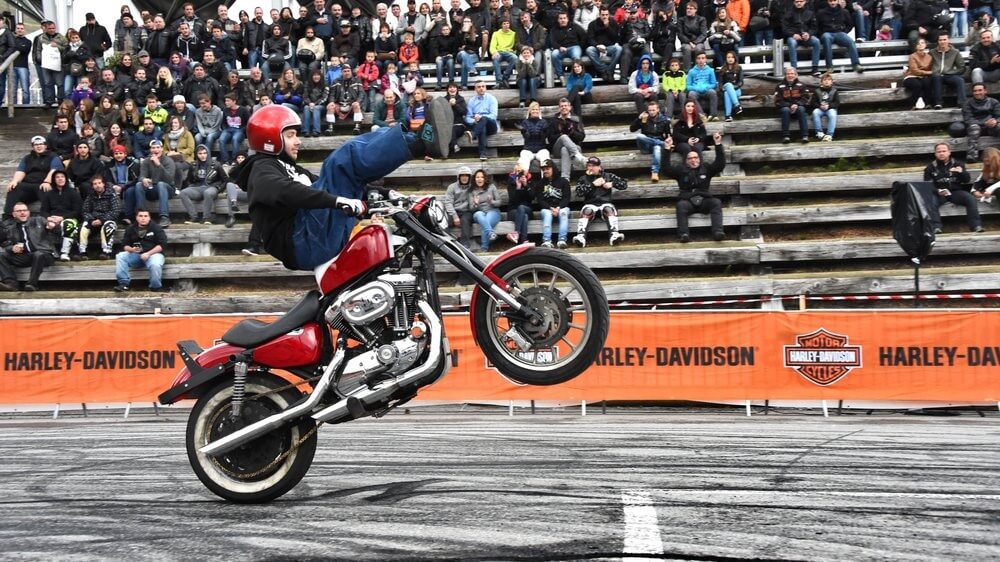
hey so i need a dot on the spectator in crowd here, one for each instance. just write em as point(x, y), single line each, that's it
point(130, 36)
point(32, 176)
point(595, 188)
point(519, 201)
point(534, 131)
point(644, 83)
point(989, 180)
point(566, 133)
point(731, 82)
point(416, 116)
point(50, 74)
point(83, 167)
point(388, 112)
point(442, 48)
point(157, 177)
point(484, 202)
point(257, 85)
point(481, 117)
point(531, 34)
point(502, 46)
point(985, 61)
point(233, 85)
point(199, 83)
point(863, 11)
point(116, 136)
point(123, 171)
point(984, 21)
point(567, 42)
point(689, 131)
point(723, 36)
point(95, 36)
point(458, 110)
point(234, 125)
point(653, 131)
point(949, 68)
point(346, 44)
point(210, 120)
point(101, 213)
point(277, 50)
point(62, 206)
point(289, 91)
point(663, 29)
point(178, 144)
point(604, 37)
point(315, 93)
point(94, 141)
point(635, 33)
point(110, 87)
point(952, 182)
point(386, 46)
point(553, 195)
point(62, 139)
point(527, 76)
point(579, 84)
point(105, 114)
point(692, 31)
point(153, 110)
point(27, 241)
point(213, 67)
point(346, 97)
point(457, 203)
point(142, 246)
point(22, 77)
point(825, 103)
point(206, 177)
point(891, 18)
point(143, 137)
point(674, 86)
point(926, 19)
point(703, 83)
point(790, 98)
point(84, 115)
point(694, 179)
point(368, 73)
point(917, 78)
point(980, 114)
point(468, 53)
point(832, 23)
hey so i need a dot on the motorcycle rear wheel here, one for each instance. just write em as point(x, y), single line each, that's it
point(576, 316)
point(263, 469)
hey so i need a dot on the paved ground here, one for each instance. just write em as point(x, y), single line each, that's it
point(553, 486)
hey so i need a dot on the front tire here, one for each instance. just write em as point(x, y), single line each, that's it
point(263, 469)
point(574, 308)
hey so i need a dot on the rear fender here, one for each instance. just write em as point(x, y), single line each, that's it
point(199, 372)
point(488, 272)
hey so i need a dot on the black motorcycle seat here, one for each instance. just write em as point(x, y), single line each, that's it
point(251, 333)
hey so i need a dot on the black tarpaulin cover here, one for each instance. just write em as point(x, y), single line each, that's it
point(911, 220)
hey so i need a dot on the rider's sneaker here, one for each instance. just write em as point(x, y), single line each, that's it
point(580, 239)
point(615, 237)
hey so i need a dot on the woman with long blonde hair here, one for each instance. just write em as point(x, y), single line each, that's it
point(989, 180)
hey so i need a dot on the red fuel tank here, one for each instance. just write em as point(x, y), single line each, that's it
point(368, 249)
point(300, 347)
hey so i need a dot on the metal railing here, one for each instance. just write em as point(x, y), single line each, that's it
point(4, 67)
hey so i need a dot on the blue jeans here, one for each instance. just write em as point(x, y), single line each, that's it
point(311, 118)
point(520, 215)
point(547, 223)
point(125, 261)
point(786, 118)
point(831, 38)
point(486, 220)
point(445, 64)
point(207, 139)
point(159, 191)
point(498, 60)
point(649, 145)
point(730, 97)
point(764, 37)
point(793, 55)
point(571, 53)
point(230, 140)
point(955, 80)
point(831, 117)
point(253, 57)
point(467, 60)
point(960, 25)
point(862, 25)
point(613, 52)
point(527, 88)
point(69, 82)
point(482, 129)
point(51, 82)
point(22, 81)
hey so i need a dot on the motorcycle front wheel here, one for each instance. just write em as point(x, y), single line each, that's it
point(265, 468)
point(574, 314)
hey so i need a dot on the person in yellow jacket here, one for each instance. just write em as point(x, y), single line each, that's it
point(674, 86)
point(502, 46)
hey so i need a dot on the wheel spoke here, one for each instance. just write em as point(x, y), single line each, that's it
point(577, 308)
point(571, 346)
point(552, 284)
point(580, 327)
point(534, 277)
point(571, 290)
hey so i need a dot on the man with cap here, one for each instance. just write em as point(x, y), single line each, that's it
point(146, 63)
point(157, 175)
point(595, 188)
point(346, 44)
point(129, 35)
point(553, 194)
point(186, 111)
point(27, 241)
point(458, 205)
point(33, 174)
point(694, 179)
point(95, 36)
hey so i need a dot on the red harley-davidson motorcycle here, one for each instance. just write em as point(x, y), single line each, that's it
point(369, 338)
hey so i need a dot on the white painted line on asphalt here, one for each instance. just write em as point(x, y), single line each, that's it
point(642, 530)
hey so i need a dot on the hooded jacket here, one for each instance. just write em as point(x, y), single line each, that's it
point(456, 197)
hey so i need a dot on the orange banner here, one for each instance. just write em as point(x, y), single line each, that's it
point(721, 356)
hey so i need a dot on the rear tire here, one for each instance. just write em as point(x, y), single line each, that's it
point(251, 473)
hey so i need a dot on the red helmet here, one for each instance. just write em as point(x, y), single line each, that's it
point(266, 125)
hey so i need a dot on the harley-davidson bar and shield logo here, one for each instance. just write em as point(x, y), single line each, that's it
point(822, 357)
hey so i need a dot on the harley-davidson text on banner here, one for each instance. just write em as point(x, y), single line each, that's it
point(862, 355)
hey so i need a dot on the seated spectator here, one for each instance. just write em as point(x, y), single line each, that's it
point(825, 103)
point(952, 181)
point(567, 41)
point(123, 173)
point(702, 83)
point(157, 177)
point(731, 83)
point(386, 46)
point(315, 93)
point(458, 109)
point(82, 91)
point(580, 83)
point(115, 136)
point(692, 31)
point(790, 98)
point(411, 80)
point(346, 97)
point(186, 111)
point(165, 87)
point(139, 88)
point(980, 114)
point(988, 181)
point(723, 36)
point(289, 91)
point(527, 76)
point(206, 177)
point(32, 176)
point(605, 41)
point(101, 213)
point(83, 167)
point(457, 203)
point(234, 127)
point(62, 139)
point(142, 246)
point(519, 201)
point(130, 117)
point(635, 38)
point(62, 206)
point(926, 19)
point(694, 180)
point(917, 77)
point(416, 114)
point(390, 81)
point(178, 144)
point(832, 23)
point(553, 195)
point(105, 113)
point(982, 22)
point(644, 83)
point(653, 131)
point(388, 112)
point(481, 117)
point(209, 118)
point(502, 46)
point(949, 68)
point(566, 133)
point(278, 49)
point(674, 86)
point(93, 140)
point(985, 61)
point(534, 131)
point(468, 51)
point(595, 188)
point(143, 137)
point(26, 242)
point(689, 131)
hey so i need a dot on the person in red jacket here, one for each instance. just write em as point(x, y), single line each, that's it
point(368, 73)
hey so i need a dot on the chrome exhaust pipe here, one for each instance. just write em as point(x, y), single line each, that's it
point(368, 396)
point(252, 431)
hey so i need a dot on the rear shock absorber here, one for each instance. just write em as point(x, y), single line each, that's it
point(239, 388)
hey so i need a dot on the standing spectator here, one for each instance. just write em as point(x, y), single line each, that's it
point(346, 44)
point(790, 98)
point(457, 203)
point(674, 86)
point(595, 188)
point(702, 83)
point(604, 37)
point(949, 68)
point(951, 180)
point(368, 74)
point(209, 119)
point(985, 59)
point(206, 177)
point(635, 34)
point(653, 131)
point(96, 37)
point(315, 94)
point(278, 50)
point(731, 80)
point(27, 241)
point(130, 36)
point(481, 117)
point(346, 97)
point(157, 177)
point(926, 18)
point(484, 201)
point(832, 23)
point(22, 77)
point(567, 42)
point(519, 200)
point(694, 179)
point(143, 246)
point(33, 175)
point(825, 102)
point(74, 58)
point(663, 29)
point(918, 77)
point(981, 115)
point(692, 31)
point(644, 83)
point(566, 133)
point(158, 41)
point(502, 45)
point(534, 131)
point(723, 36)
point(62, 206)
point(689, 131)
point(527, 76)
point(48, 46)
point(101, 213)
point(553, 194)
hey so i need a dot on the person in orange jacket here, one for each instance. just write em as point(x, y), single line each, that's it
point(739, 11)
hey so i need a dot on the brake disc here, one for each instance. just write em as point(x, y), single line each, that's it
point(553, 311)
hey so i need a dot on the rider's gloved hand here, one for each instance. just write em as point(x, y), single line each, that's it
point(352, 207)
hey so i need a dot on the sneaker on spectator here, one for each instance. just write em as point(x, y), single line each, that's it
point(729, 118)
point(819, 135)
point(31, 288)
point(231, 221)
point(561, 244)
point(719, 236)
point(920, 104)
point(64, 257)
point(10, 285)
point(738, 109)
point(937, 106)
point(859, 69)
point(493, 236)
point(547, 244)
point(786, 140)
point(164, 222)
point(615, 237)
point(685, 238)
point(79, 257)
point(977, 230)
point(121, 288)
point(581, 239)
point(827, 138)
point(805, 140)
point(512, 236)
point(252, 250)
point(580, 159)
point(816, 72)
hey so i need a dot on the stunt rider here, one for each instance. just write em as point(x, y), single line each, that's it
point(305, 221)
